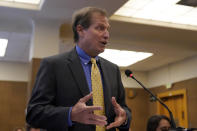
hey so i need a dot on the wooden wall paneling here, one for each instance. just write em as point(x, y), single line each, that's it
point(191, 87)
point(12, 104)
point(142, 108)
point(139, 107)
point(35, 65)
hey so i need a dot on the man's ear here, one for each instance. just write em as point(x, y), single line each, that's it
point(80, 30)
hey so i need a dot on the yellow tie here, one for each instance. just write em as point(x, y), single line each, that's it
point(97, 89)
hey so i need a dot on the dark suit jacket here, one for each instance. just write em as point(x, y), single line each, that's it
point(60, 83)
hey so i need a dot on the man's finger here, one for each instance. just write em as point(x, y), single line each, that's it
point(92, 108)
point(86, 98)
point(98, 117)
point(97, 122)
point(115, 104)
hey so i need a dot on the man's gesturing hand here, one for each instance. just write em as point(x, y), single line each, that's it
point(120, 115)
point(85, 114)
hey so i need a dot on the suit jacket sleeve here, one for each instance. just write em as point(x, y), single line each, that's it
point(122, 103)
point(114, 88)
point(42, 111)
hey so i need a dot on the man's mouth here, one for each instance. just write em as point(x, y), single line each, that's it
point(104, 42)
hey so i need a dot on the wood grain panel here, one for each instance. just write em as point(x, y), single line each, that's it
point(12, 104)
point(142, 108)
point(191, 87)
point(139, 108)
point(35, 65)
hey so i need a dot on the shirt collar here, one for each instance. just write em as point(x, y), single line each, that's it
point(83, 56)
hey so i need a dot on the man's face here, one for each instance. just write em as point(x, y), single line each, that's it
point(164, 125)
point(94, 39)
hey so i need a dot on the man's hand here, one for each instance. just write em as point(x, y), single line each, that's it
point(120, 115)
point(85, 114)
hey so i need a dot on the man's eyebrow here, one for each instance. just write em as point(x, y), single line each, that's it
point(105, 25)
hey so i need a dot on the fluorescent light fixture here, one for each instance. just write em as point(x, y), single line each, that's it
point(24, 1)
point(3, 46)
point(28, 1)
point(24, 4)
point(159, 10)
point(124, 58)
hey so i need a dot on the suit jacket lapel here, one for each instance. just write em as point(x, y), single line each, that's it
point(78, 73)
point(106, 89)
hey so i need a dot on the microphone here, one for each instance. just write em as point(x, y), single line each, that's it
point(130, 74)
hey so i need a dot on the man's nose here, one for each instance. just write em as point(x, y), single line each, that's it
point(106, 34)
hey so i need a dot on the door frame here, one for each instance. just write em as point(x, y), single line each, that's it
point(175, 93)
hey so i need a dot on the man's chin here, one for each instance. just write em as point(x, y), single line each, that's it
point(101, 51)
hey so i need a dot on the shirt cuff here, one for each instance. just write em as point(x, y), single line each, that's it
point(69, 117)
point(126, 124)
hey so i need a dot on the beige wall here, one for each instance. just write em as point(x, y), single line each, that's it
point(14, 71)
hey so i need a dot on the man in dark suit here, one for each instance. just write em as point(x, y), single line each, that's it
point(62, 99)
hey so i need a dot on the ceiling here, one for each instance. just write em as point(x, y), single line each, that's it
point(168, 44)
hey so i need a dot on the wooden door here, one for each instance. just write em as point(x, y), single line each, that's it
point(177, 103)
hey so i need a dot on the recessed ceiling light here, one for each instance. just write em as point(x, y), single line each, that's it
point(168, 11)
point(24, 4)
point(3, 46)
point(24, 1)
point(28, 1)
point(124, 58)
